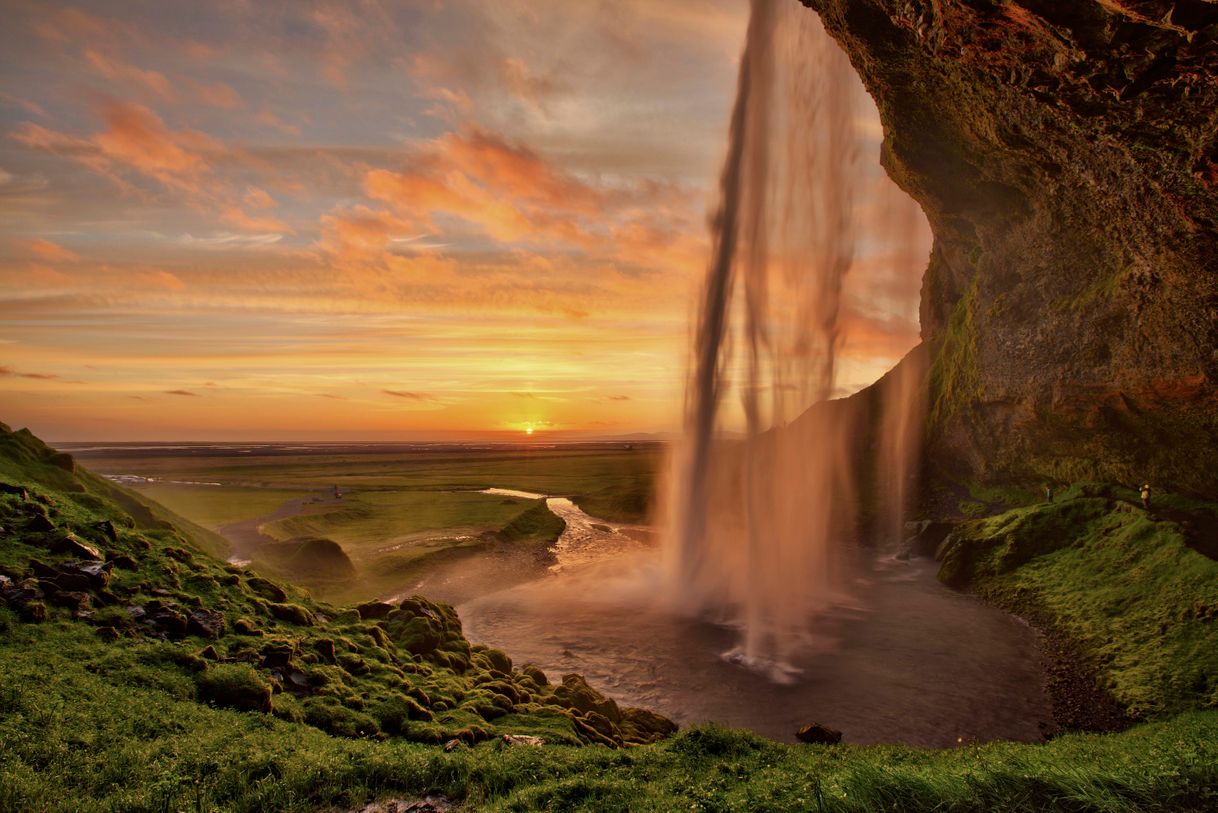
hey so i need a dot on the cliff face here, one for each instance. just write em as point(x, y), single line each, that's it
point(1066, 155)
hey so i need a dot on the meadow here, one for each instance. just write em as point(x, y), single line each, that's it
point(403, 511)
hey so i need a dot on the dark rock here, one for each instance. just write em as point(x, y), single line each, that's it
point(31, 612)
point(10, 488)
point(71, 546)
point(180, 555)
point(40, 524)
point(125, 562)
point(278, 655)
point(168, 622)
point(108, 633)
point(817, 734)
point(925, 537)
point(73, 576)
point(73, 601)
point(209, 653)
point(136, 613)
point(107, 529)
point(374, 610)
point(243, 626)
point(105, 598)
point(206, 623)
point(325, 648)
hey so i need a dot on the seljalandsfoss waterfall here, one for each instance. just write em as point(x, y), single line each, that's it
point(766, 487)
point(772, 597)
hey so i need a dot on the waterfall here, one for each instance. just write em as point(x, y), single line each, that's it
point(758, 514)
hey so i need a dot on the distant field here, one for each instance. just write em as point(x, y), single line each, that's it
point(215, 506)
point(402, 510)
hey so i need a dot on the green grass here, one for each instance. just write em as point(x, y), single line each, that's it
point(1120, 582)
point(369, 521)
point(140, 724)
point(105, 732)
point(214, 506)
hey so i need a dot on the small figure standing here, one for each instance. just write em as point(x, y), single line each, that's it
point(1146, 496)
point(1048, 492)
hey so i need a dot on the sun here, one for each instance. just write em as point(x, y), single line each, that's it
point(528, 429)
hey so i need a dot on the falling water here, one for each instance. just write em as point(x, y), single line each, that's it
point(756, 514)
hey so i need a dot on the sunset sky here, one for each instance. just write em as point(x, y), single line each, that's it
point(370, 220)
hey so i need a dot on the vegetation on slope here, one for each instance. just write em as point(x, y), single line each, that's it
point(108, 703)
point(1122, 583)
point(160, 612)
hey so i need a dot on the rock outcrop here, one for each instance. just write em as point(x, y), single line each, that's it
point(1066, 155)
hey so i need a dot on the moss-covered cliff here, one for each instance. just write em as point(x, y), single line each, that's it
point(1066, 155)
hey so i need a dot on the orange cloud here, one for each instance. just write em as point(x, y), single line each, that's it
point(136, 142)
point(46, 250)
point(118, 71)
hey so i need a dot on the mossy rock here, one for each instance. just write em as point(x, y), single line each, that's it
point(395, 712)
point(334, 718)
point(293, 614)
point(235, 686)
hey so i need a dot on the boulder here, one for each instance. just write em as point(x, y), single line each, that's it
point(817, 734)
point(206, 623)
point(40, 524)
point(236, 686)
point(69, 545)
point(374, 610)
point(293, 614)
point(267, 589)
point(522, 739)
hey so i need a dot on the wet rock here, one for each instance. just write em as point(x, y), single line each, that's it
point(817, 734)
point(71, 546)
point(522, 739)
point(206, 623)
point(374, 610)
point(924, 538)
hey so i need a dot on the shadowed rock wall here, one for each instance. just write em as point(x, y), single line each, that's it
point(1066, 154)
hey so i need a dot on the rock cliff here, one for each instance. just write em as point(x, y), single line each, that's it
point(1066, 155)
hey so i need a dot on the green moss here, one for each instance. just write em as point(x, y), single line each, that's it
point(954, 380)
point(235, 686)
point(1120, 583)
point(536, 525)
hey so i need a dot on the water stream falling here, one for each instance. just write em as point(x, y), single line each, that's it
point(759, 518)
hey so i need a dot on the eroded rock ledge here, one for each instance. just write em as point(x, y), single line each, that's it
point(1066, 155)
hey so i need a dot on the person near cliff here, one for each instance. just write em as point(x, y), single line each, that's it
point(1048, 492)
point(1146, 496)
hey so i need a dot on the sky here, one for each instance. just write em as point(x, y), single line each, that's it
point(426, 219)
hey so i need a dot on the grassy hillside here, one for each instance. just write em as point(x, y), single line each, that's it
point(159, 678)
point(1125, 585)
